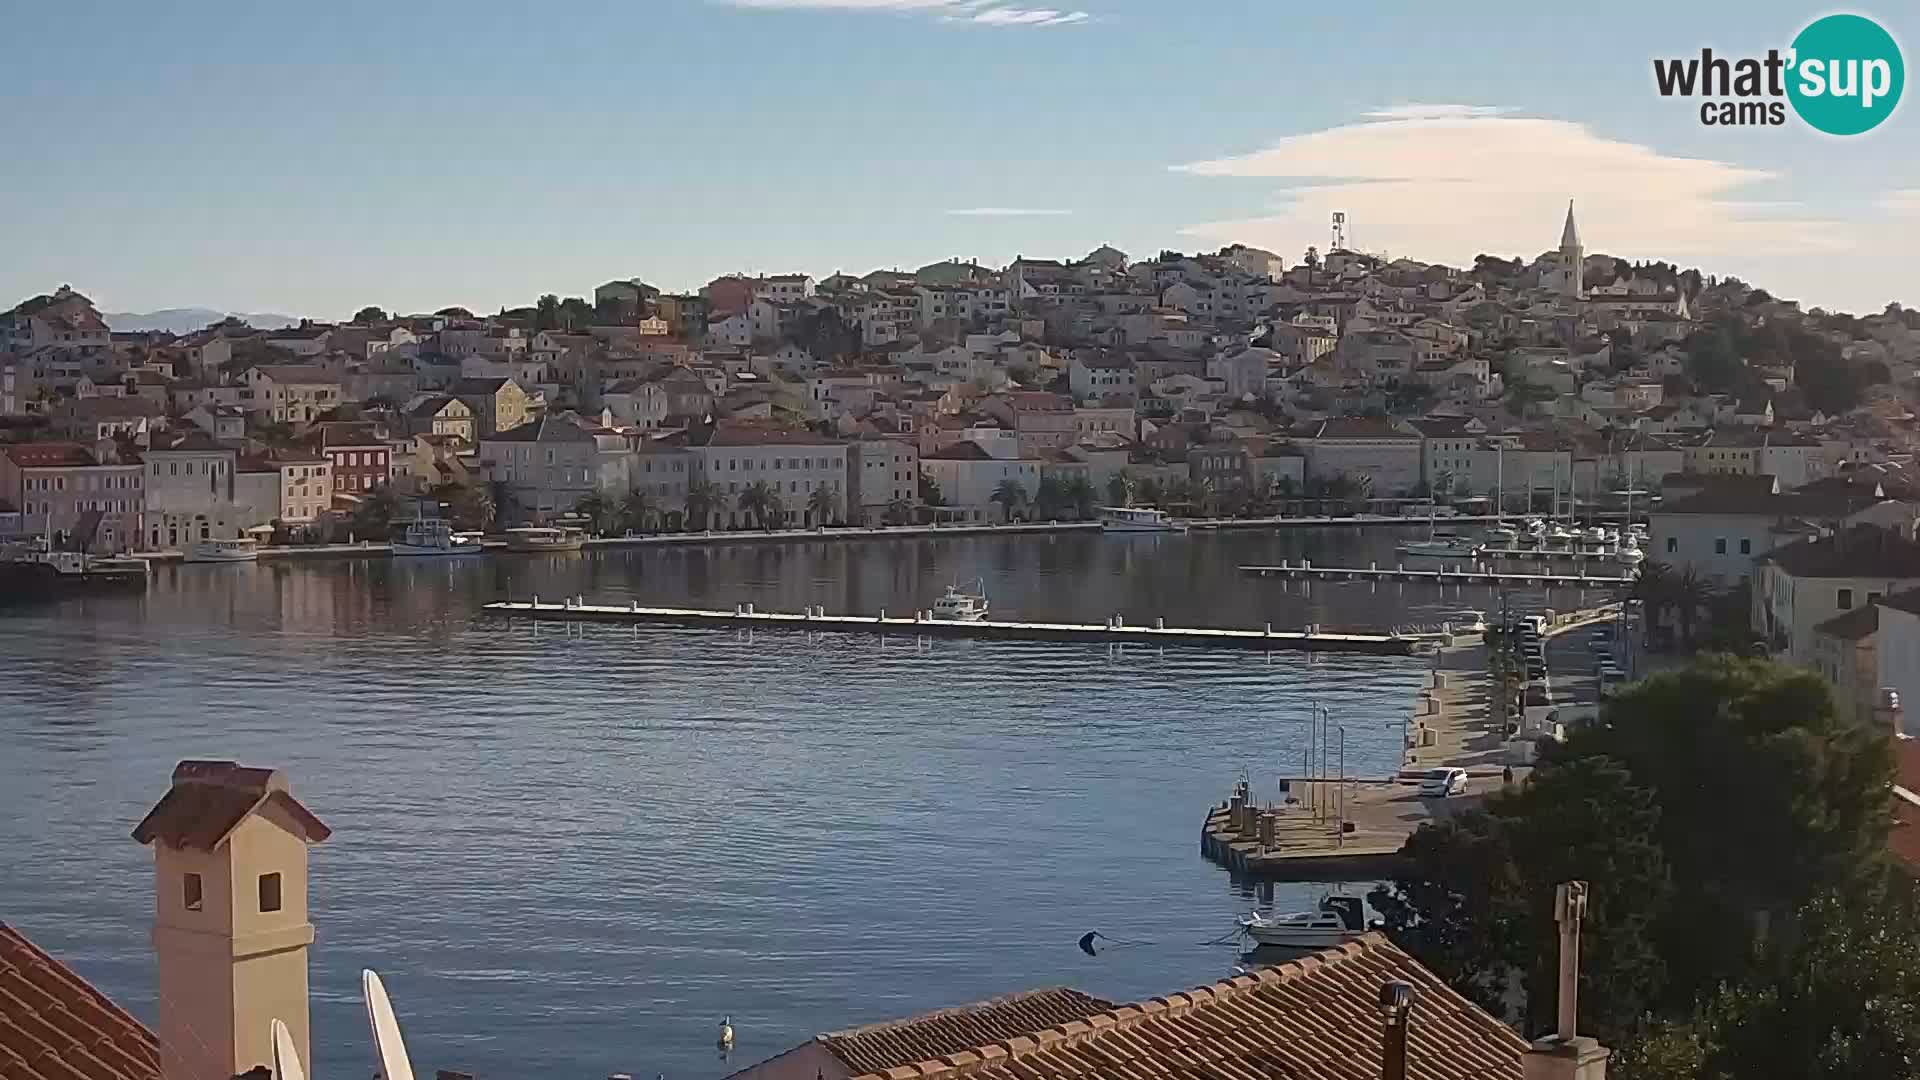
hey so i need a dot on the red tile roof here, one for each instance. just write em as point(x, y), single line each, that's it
point(1314, 1017)
point(48, 455)
point(1904, 838)
point(55, 1026)
point(930, 1036)
point(209, 798)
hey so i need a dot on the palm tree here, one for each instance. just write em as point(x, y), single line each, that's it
point(636, 512)
point(898, 512)
point(704, 499)
point(762, 503)
point(1691, 592)
point(598, 510)
point(1653, 587)
point(1362, 491)
point(1443, 486)
point(1050, 496)
point(1081, 495)
point(823, 505)
point(1203, 496)
point(1120, 490)
point(1010, 495)
point(1148, 492)
point(1284, 488)
point(930, 491)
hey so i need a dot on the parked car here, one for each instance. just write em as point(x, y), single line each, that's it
point(1441, 783)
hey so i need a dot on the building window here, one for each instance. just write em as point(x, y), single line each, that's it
point(1846, 599)
point(1746, 547)
point(1720, 546)
point(191, 892)
point(270, 892)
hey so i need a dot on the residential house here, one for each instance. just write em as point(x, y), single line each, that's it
point(967, 475)
point(881, 472)
point(290, 393)
point(1720, 530)
point(497, 404)
point(1038, 419)
point(441, 414)
point(661, 472)
point(189, 491)
point(1093, 374)
point(91, 419)
point(734, 456)
point(1387, 451)
point(1844, 650)
point(1804, 584)
point(358, 451)
point(55, 484)
point(225, 423)
point(1896, 645)
point(1095, 423)
point(550, 463)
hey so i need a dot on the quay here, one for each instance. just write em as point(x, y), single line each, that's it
point(1115, 631)
point(1479, 574)
point(1324, 521)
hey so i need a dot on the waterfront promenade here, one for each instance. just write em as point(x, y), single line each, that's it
point(1301, 837)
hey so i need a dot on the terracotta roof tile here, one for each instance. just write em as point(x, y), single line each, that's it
point(931, 1037)
point(209, 798)
point(55, 1026)
point(1313, 1017)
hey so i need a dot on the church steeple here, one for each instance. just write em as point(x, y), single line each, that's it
point(1567, 272)
point(1570, 236)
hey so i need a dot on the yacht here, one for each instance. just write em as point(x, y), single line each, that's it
point(435, 536)
point(545, 538)
point(1137, 519)
point(239, 549)
point(1441, 547)
point(1338, 920)
point(957, 606)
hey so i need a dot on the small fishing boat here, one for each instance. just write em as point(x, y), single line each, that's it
point(435, 536)
point(537, 538)
point(1338, 920)
point(957, 606)
point(240, 549)
point(1502, 536)
point(1137, 519)
point(1440, 547)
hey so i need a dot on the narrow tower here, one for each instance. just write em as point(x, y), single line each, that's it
point(1572, 281)
point(230, 925)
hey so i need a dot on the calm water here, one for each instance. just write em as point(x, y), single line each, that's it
point(570, 853)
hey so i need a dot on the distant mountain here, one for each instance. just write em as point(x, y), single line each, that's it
point(187, 320)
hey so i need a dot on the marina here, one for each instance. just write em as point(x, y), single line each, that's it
point(1116, 631)
point(1478, 574)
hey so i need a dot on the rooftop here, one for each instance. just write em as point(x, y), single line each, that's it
point(55, 1026)
point(1863, 551)
point(209, 799)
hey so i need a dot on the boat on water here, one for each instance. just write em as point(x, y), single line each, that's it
point(1137, 519)
point(1503, 536)
point(38, 572)
point(239, 549)
point(537, 538)
point(435, 536)
point(1338, 920)
point(957, 606)
point(1440, 547)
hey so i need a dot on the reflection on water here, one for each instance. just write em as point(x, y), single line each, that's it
point(572, 850)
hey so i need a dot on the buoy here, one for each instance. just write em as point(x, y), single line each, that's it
point(726, 1033)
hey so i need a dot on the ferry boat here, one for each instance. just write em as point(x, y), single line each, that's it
point(1338, 920)
point(1137, 519)
point(957, 606)
point(545, 538)
point(435, 536)
point(1440, 547)
point(241, 549)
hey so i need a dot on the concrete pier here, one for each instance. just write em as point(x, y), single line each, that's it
point(1114, 631)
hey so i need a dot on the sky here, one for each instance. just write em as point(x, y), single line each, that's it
point(313, 159)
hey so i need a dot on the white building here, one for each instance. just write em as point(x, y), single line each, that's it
point(1719, 532)
point(1897, 651)
point(881, 473)
point(1802, 585)
point(549, 464)
point(189, 492)
point(968, 475)
point(794, 465)
point(1356, 446)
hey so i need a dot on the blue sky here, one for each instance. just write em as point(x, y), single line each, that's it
point(311, 159)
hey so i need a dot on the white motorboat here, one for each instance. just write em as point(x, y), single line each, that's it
point(1534, 526)
point(957, 606)
point(435, 536)
point(1137, 519)
point(240, 549)
point(1440, 547)
point(542, 538)
point(1338, 920)
point(1503, 536)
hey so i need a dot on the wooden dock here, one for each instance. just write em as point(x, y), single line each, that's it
point(1473, 574)
point(1114, 632)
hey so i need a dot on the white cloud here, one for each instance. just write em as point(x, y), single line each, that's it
point(1007, 211)
point(1444, 183)
point(983, 12)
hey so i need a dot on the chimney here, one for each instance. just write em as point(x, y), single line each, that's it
point(230, 927)
point(1566, 1055)
point(1396, 1009)
point(1887, 712)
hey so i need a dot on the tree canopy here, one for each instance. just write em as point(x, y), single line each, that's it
point(368, 315)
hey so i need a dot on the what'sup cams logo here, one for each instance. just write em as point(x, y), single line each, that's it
point(1842, 75)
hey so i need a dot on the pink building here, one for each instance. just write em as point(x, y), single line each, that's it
point(54, 484)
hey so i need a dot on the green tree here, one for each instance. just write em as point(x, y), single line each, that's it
point(1119, 490)
point(637, 513)
point(1050, 496)
point(823, 505)
point(546, 313)
point(473, 507)
point(1690, 593)
point(930, 492)
point(574, 313)
point(898, 512)
point(374, 516)
point(600, 512)
point(1080, 495)
point(1443, 486)
point(1148, 492)
point(704, 499)
point(369, 315)
point(1010, 495)
point(762, 503)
